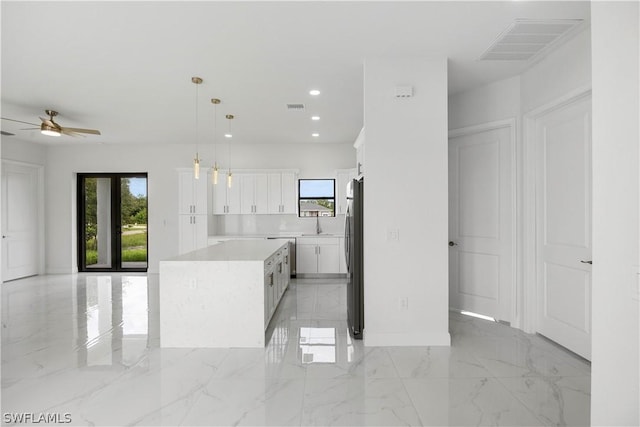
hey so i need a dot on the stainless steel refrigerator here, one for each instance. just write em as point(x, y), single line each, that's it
point(354, 257)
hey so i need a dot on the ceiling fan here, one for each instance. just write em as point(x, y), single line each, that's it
point(51, 128)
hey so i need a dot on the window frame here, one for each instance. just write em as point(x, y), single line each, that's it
point(301, 198)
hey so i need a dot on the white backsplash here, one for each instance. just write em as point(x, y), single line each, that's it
point(273, 224)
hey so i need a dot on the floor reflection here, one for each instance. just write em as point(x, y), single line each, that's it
point(113, 320)
point(318, 345)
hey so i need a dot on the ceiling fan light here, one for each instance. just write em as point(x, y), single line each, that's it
point(45, 129)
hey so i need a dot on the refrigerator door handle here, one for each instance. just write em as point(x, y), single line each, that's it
point(347, 236)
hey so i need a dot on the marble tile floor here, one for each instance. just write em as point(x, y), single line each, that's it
point(86, 347)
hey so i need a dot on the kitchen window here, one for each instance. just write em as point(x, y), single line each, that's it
point(316, 197)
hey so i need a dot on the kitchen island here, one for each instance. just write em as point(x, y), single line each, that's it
point(222, 295)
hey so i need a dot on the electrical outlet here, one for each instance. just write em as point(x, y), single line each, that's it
point(193, 283)
point(393, 235)
point(403, 303)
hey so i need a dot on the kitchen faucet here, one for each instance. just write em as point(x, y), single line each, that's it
point(318, 229)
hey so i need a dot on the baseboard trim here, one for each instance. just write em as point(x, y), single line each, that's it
point(320, 276)
point(376, 339)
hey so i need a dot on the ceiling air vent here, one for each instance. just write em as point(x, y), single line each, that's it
point(525, 39)
point(295, 107)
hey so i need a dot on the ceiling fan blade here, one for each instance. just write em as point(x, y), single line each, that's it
point(38, 128)
point(18, 121)
point(65, 131)
point(78, 130)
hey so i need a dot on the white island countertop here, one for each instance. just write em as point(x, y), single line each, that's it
point(233, 250)
point(222, 295)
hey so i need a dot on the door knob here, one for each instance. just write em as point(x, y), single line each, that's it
point(453, 244)
point(586, 262)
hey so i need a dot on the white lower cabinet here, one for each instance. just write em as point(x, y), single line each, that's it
point(276, 281)
point(192, 233)
point(318, 255)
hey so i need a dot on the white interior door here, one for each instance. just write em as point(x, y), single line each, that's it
point(480, 223)
point(563, 187)
point(20, 250)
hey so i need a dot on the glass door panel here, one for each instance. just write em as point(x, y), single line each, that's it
point(97, 223)
point(133, 217)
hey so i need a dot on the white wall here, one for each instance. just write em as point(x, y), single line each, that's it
point(495, 101)
point(21, 151)
point(615, 394)
point(405, 189)
point(160, 162)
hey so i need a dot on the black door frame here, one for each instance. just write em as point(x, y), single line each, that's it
point(116, 218)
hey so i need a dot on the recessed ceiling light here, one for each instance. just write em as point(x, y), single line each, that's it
point(314, 92)
point(315, 135)
point(228, 135)
point(315, 117)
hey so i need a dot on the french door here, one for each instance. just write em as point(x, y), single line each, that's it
point(112, 222)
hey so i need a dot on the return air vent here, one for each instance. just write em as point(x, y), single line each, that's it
point(295, 107)
point(526, 39)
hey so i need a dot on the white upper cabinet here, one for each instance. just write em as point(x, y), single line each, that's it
point(253, 193)
point(193, 206)
point(257, 191)
point(226, 200)
point(282, 192)
point(192, 193)
point(343, 176)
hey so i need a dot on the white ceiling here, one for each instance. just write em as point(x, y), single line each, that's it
point(125, 67)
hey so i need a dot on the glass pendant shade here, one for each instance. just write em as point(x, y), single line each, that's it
point(214, 175)
point(196, 167)
point(229, 179)
point(196, 161)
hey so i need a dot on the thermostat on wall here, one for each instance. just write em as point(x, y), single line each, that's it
point(404, 91)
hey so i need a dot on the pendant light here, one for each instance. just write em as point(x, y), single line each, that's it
point(196, 161)
point(214, 174)
point(229, 135)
